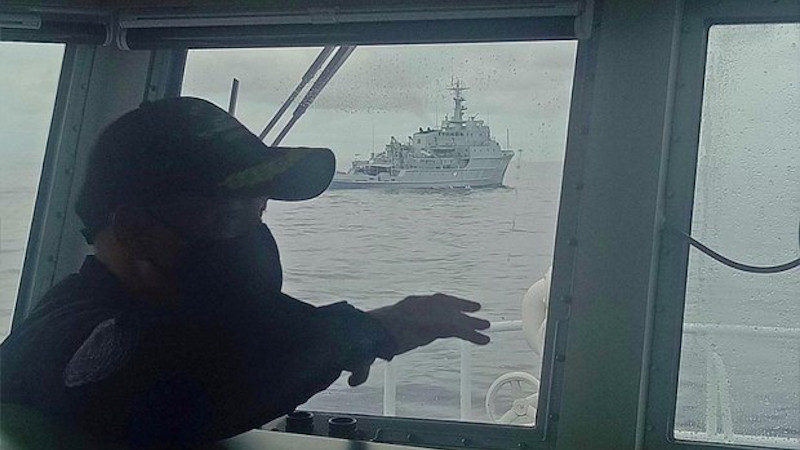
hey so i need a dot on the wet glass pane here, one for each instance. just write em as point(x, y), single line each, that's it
point(740, 361)
point(28, 80)
point(436, 209)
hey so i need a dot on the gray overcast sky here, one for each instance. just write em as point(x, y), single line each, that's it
point(524, 87)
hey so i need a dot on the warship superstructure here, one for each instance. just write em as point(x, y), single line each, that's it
point(461, 153)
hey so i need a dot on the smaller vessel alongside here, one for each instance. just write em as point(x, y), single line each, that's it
point(459, 154)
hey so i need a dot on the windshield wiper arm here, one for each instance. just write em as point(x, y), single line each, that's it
point(327, 73)
point(307, 77)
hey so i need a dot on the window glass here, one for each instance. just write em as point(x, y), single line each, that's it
point(28, 81)
point(390, 116)
point(739, 378)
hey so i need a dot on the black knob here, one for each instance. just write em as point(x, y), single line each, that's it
point(343, 427)
point(300, 422)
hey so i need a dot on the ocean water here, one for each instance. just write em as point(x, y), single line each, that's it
point(373, 247)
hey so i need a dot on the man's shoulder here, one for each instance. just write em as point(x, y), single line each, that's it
point(92, 289)
point(66, 292)
point(73, 336)
point(62, 320)
point(65, 312)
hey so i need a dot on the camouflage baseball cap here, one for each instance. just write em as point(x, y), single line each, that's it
point(188, 147)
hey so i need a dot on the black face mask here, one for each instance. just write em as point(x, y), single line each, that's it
point(244, 266)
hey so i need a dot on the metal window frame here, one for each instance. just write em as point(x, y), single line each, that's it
point(354, 33)
point(437, 433)
point(162, 78)
point(73, 26)
point(348, 12)
point(50, 210)
point(82, 108)
point(353, 23)
point(56, 246)
point(151, 74)
point(678, 203)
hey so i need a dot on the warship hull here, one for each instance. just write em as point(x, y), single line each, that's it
point(480, 172)
point(461, 153)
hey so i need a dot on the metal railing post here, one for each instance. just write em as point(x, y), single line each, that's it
point(466, 381)
point(389, 389)
point(712, 392)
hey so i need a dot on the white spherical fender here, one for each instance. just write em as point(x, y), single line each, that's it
point(534, 312)
point(522, 410)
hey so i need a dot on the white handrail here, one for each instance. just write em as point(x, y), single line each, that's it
point(740, 330)
point(390, 389)
point(465, 385)
point(465, 378)
point(507, 325)
point(718, 405)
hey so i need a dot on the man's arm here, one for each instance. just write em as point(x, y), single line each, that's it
point(252, 365)
point(212, 372)
point(237, 354)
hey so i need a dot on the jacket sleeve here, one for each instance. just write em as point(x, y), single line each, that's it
point(234, 355)
point(207, 375)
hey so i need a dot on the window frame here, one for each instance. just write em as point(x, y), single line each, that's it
point(92, 71)
point(351, 23)
point(55, 246)
point(678, 204)
point(56, 176)
point(665, 311)
point(437, 432)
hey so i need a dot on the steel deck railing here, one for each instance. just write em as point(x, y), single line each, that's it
point(718, 423)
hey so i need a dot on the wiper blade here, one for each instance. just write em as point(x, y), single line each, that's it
point(328, 72)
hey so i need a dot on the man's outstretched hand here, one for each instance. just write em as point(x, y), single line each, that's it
point(420, 319)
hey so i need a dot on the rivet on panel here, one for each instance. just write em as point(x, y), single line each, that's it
point(553, 417)
point(560, 357)
point(466, 442)
point(522, 445)
point(411, 437)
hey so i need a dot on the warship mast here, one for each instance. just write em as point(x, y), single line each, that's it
point(458, 108)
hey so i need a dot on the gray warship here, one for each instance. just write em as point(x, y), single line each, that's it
point(461, 153)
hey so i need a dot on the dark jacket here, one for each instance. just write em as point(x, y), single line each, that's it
point(90, 356)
